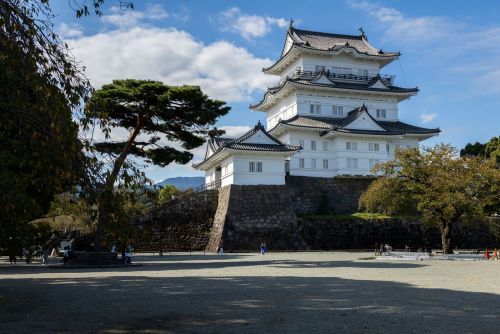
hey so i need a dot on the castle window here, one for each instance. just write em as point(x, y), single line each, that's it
point(315, 109)
point(255, 166)
point(351, 146)
point(313, 145)
point(352, 163)
point(313, 163)
point(301, 163)
point(301, 143)
point(325, 146)
point(325, 164)
point(373, 147)
point(381, 113)
point(338, 111)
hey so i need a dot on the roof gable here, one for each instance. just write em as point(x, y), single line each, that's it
point(259, 137)
point(360, 119)
point(323, 79)
point(378, 84)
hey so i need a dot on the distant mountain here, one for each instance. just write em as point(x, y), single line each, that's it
point(183, 182)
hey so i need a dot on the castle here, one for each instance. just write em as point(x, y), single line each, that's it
point(332, 113)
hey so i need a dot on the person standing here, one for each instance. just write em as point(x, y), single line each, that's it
point(12, 257)
point(220, 251)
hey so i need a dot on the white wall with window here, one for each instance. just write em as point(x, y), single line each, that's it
point(258, 168)
point(337, 105)
point(341, 63)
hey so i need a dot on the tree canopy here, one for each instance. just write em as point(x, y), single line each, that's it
point(490, 149)
point(436, 185)
point(40, 86)
point(164, 123)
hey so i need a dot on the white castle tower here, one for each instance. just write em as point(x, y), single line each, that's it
point(332, 103)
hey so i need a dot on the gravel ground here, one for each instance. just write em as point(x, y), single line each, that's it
point(249, 293)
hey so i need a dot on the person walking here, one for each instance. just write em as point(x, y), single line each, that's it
point(45, 256)
point(263, 248)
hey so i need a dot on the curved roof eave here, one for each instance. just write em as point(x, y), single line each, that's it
point(267, 95)
point(274, 69)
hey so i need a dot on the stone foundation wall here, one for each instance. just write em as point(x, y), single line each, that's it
point(182, 224)
point(313, 195)
point(241, 217)
point(217, 229)
point(365, 234)
point(260, 213)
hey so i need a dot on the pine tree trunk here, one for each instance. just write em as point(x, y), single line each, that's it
point(445, 237)
point(107, 189)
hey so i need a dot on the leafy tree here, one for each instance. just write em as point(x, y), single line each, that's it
point(439, 187)
point(475, 150)
point(156, 116)
point(167, 192)
point(490, 149)
point(40, 86)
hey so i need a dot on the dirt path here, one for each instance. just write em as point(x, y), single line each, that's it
point(242, 293)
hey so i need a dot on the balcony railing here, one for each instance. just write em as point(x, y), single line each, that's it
point(213, 185)
point(309, 75)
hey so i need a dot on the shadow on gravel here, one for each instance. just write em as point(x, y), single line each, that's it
point(240, 305)
point(211, 262)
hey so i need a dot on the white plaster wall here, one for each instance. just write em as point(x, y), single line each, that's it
point(273, 169)
point(290, 71)
point(337, 153)
point(348, 101)
point(227, 174)
point(210, 175)
point(286, 109)
point(309, 64)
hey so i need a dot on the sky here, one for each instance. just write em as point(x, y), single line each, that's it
point(450, 51)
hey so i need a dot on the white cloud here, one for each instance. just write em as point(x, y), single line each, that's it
point(70, 30)
point(427, 118)
point(444, 40)
point(406, 30)
point(129, 17)
point(223, 70)
point(235, 131)
point(249, 26)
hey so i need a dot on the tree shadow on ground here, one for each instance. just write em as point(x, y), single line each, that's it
point(212, 262)
point(240, 305)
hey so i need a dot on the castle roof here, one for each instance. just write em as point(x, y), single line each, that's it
point(298, 40)
point(374, 86)
point(256, 140)
point(335, 126)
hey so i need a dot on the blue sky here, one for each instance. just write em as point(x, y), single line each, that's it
point(450, 50)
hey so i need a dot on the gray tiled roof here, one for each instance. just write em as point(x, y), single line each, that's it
point(332, 42)
point(349, 85)
point(336, 84)
point(220, 143)
point(339, 124)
